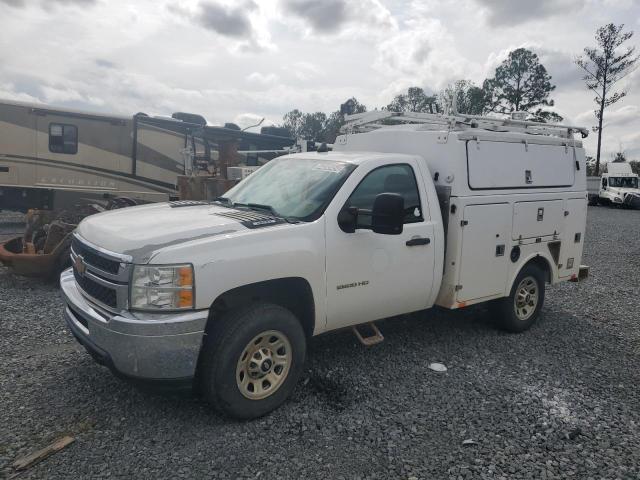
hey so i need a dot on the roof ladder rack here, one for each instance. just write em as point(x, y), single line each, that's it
point(367, 121)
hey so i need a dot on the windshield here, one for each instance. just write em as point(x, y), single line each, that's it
point(292, 187)
point(623, 182)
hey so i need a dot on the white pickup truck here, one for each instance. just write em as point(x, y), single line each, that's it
point(225, 294)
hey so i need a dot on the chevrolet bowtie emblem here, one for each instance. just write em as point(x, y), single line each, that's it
point(80, 265)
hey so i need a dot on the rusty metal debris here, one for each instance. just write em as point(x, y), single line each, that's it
point(43, 249)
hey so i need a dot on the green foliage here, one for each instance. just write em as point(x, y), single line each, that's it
point(318, 126)
point(521, 83)
point(415, 100)
point(619, 157)
point(470, 99)
point(604, 66)
point(591, 166)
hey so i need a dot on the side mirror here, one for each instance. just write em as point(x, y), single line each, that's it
point(387, 216)
point(348, 219)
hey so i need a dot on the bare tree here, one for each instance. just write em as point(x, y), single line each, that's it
point(604, 67)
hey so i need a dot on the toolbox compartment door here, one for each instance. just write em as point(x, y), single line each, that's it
point(537, 219)
point(484, 258)
point(573, 237)
point(504, 165)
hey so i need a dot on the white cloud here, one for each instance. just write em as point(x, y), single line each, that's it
point(241, 60)
point(262, 80)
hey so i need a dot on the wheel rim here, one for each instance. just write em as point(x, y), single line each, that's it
point(264, 365)
point(526, 298)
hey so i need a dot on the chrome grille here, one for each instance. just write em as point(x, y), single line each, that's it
point(105, 295)
point(102, 276)
point(93, 257)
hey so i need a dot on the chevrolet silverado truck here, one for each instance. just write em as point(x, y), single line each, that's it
point(226, 294)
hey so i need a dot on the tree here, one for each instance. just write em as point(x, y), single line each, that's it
point(352, 106)
point(470, 99)
point(313, 125)
point(604, 67)
point(318, 126)
point(293, 122)
point(619, 157)
point(591, 166)
point(415, 100)
point(521, 84)
point(635, 166)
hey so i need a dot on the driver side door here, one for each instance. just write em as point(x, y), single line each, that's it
point(372, 275)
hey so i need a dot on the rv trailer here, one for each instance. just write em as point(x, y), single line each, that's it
point(52, 157)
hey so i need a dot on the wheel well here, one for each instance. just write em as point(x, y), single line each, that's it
point(292, 293)
point(543, 264)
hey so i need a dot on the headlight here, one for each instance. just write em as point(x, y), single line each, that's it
point(166, 287)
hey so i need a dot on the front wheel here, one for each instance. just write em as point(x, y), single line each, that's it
point(521, 308)
point(251, 360)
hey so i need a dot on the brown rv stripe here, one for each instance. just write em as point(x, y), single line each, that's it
point(158, 186)
point(153, 157)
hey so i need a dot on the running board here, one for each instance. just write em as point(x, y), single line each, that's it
point(371, 339)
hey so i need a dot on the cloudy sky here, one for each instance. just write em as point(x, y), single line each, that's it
point(246, 59)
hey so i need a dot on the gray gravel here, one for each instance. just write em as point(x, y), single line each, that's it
point(559, 401)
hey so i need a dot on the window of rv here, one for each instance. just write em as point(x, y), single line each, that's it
point(623, 182)
point(63, 138)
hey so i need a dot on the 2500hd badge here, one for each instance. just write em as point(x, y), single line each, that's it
point(351, 285)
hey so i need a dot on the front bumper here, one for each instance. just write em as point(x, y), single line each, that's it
point(139, 346)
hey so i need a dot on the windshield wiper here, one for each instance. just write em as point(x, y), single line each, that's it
point(222, 200)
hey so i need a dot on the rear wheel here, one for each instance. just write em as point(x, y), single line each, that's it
point(521, 308)
point(251, 360)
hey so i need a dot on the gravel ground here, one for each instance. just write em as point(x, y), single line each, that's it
point(559, 401)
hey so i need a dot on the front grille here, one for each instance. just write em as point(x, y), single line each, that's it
point(94, 258)
point(103, 294)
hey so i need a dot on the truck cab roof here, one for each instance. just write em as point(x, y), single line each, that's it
point(354, 157)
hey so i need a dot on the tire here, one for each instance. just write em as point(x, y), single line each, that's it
point(61, 264)
point(517, 312)
point(229, 378)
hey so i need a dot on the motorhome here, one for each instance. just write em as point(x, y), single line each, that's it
point(446, 210)
point(51, 156)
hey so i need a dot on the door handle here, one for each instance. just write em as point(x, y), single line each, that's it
point(418, 241)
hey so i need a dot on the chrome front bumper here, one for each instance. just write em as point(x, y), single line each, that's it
point(137, 345)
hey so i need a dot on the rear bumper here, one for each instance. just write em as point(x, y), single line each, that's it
point(147, 348)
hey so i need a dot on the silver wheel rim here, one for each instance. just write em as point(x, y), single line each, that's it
point(263, 365)
point(526, 298)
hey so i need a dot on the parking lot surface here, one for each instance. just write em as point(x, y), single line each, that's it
point(559, 401)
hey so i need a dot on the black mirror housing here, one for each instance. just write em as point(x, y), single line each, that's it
point(348, 219)
point(387, 216)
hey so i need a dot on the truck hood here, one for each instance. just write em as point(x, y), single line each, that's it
point(142, 231)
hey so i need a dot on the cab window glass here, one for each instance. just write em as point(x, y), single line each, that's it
point(63, 138)
point(390, 179)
